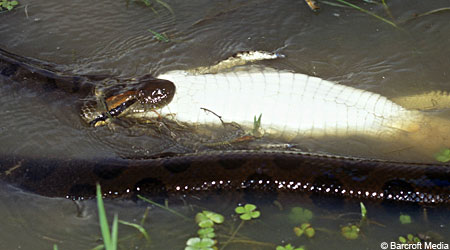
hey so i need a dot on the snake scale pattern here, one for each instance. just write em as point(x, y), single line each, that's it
point(266, 171)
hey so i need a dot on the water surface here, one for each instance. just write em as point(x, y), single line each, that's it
point(112, 37)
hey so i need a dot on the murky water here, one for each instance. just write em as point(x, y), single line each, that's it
point(112, 37)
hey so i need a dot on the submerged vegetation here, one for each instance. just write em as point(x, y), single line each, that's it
point(8, 4)
point(160, 37)
point(152, 5)
point(443, 155)
point(389, 19)
point(215, 232)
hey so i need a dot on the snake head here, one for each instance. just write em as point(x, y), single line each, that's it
point(145, 94)
point(155, 93)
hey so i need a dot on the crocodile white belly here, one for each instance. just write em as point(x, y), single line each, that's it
point(291, 104)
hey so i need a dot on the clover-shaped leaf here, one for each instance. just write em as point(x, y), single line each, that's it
point(300, 215)
point(208, 218)
point(306, 229)
point(247, 212)
point(206, 232)
point(9, 5)
point(199, 244)
point(350, 232)
point(289, 247)
point(203, 221)
point(215, 217)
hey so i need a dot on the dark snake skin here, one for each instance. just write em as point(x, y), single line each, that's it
point(265, 171)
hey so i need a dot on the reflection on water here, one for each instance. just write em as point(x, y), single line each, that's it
point(339, 44)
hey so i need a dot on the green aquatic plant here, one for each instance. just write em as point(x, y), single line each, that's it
point(256, 131)
point(206, 233)
point(162, 207)
point(207, 219)
point(443, 155)
point(405, 219)
point(350, 232)
point(305, 229)
point(109, 237)
point(247, 212)
point(149, 4)
point(140, 228)
point(289, 247)
point(200, 244)
point(8, 5)
point(344, 3)
point(409, 239)
point(427, 13)
point(363, 211)
point(160, 37)
point(55, 247)
point(299, 215)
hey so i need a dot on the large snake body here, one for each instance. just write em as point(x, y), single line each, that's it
point(260, 170)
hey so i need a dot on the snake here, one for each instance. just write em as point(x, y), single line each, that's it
point(192, 97)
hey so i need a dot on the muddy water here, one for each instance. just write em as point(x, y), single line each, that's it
point(112, 37)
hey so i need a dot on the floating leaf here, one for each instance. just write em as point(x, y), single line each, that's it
point(215, 217)
point(247, 212)
point(412, 238)
point(350, 232)
point(300, 215)
point(405, 219)
point(306, 229)
point(203, 221)
point(310, 232)
point(199, 244)
point(9, 5)
point(289, 247)
point(409, 239)
point(206, 233)
point(208, 218)
point(443, 155)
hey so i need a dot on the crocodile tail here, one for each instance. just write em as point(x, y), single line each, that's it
point(433, 100)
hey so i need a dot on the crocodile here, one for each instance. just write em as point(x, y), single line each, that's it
point(207, 96)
